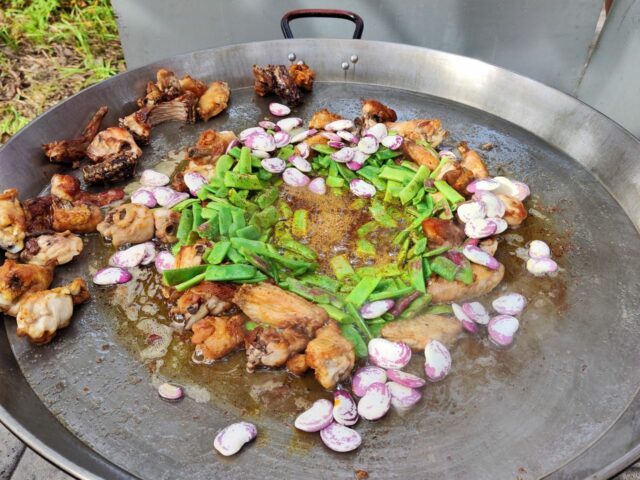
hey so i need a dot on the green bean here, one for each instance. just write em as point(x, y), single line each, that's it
point(351, 334)
point(181, 287)
point(359, 321)
point(392, 191)
point(362, 290)
point(465, 273)
point(184, 204)
point(223, 165)
point(399, 175)
point(239, 200)
point(244, 162)
point(234, 152)
point(286, 152)
point(417, 275)
point(224, 219)
point(218, 252)
point(367, 228)
point(285, 210)
point(439, 310)
point(341, 267)
point(257, 278)
point(179, 275)
point(222, 273)
point(249, 326)
point(250, 231)
point(444, 267)
point(416, 183)
point(449, 192)
point(385, 153)
point(238, 218)
point(402, 253)
point(338, 315)
point(299, 248)
point(243, 181)
point(334, 182)
point(324, 149)
point(345, 173)
point(266, 218)
point(185, 225)
point(300, 223)
point(315, 294)
point(436, 251)
point(235, 256)
point(401, 292)
point(365, 249)
point(384, 271)
point(416, 306)
point(410, 165)
point(321, 281)
point(418, 248)
point(267, 198)
point(379, 213)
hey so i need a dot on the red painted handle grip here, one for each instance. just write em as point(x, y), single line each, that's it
point(321, 13)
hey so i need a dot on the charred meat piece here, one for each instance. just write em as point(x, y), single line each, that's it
point(297, 364)
point(322, 118)
point(110, 171)
point(56, 249)
point(206, 298)
point(418, 331)
point(276, 79)
point(72, 151)
point(38, 215)
point(113, 143)
point(484, 280)
point(216, 337)
point(192, 255)
point(420, 154)
point(209, 147)
point(426, 130)
point(138, 124)
point(42, 314)
point(17, 280)
point(180, 109)
point(196, 87)
point(302, 75)
point(101, 199)
point(128, 223)
point(167, 87)
point(331, 355)
point(272, 347)
point(13, 223)
point(457, 176)
point(166, 224)
point(441, 233)
point(76, 216)
point(471, 160)
point(515, 211)
point(65, 187)
point(214, 100)
point(374, 112)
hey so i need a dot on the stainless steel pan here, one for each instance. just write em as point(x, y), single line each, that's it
point(562, 403)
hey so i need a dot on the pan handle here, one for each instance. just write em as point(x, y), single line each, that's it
point(321, 13)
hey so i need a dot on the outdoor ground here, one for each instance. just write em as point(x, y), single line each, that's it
point(50, 49)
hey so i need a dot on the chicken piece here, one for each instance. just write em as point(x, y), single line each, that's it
point(138, 124)
point(188, 84)
point(331, 355)
point(209, 147)
point(471, 160)
point(214, 100)
point(272, 347)
point(297, 364)
point(426, 130)
point(441, 233)
point(216, 337)
point(457, 176)
point(38, 215)
point(192, 255)
point(418, 331)
point(13, 223)
point(180, 109)
point(375, 112)
point(56, 249)
point(323, 117)
point(166, 224)
point(128, 223)
point(276, 79)
point(72, 151)
point(515, 211)
point(111, 144)
point(317, 139)
point(167, 87)
point(206, 298)
point(101, 199)
point(420, 154)
point(110, 171)
point(303, 76)
point(269, 304)
point(65, 187)
point(18, 279)
point(42, 314)
point(489, 245)
point(76, 216)
point(484, 280)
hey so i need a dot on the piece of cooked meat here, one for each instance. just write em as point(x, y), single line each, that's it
point(457, 176)
point(18, 279)
point(214, 100)
point(196, 87)
point(209, 147)
point(167, 87)
point(216, 337)
point(484, 280)
point(206, 298)
point(13, 223)
point(276, 79)
point(427, 130)
point(269, 304)
point(331, 355)
point(375, 112)
point(38, 215)
point(128, 223)
point(101, 199)
point(302, 75)
point(515, 211)
point(419, 154)
point(110, 171)
point(418, 331)
point(272, 347)
point(297, 364)
point(113, 143)
point(180, 109)
point(471, 160)
point(65, 187)
point(166, 224)
point(42, 314)
point(489, 245)
point(441, 233)
point(76, 216)
point(192, 255)
point(56, 249)
point(138, 124)
point(322, 118)
point(72, 151)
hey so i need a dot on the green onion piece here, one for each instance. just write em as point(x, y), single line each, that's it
point(244, 162)
point(444, 267)
point(324, 149)
point(300, 223)
point(341, 267)
point(351, 334)
point(220, 273)
point(437, 251)
point(417, 275)
point(416, 306)
point(299, 248)
point(402, 292)
point(379, 213)
point(223, 165)
point(179, 275)
point(218, 253)
point(359, 321)
point(184, 204)
point(365, 249)
point(250, 231)
point(338, 315)
point(185, 225)
point(362, 290)
point(416, 183)
point(367, 228)
point(449, 192)
point(242, 181)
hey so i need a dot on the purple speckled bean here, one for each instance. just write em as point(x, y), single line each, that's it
point(231, 439)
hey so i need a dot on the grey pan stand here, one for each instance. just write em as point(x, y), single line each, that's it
point(562, 403)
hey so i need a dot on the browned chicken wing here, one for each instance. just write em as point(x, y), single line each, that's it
point(484, 280)
point(441, 233)
point(180, 109)
point(425, 130)
point(76, 216)
point(416, 332)
point(42, 314)
point(113, 143)
point(322, 118)
point(56, 249)
point(419, 154)
point(138, 124)
point(214, 100)
point(128, 223)
point(166, 224)
point(13, 223)
point(38, 215)
point(72, 151)
point(192, 255)
point(206, 298)
point(216, 337)
point(276, 79)
point(188, 84)
point(515, 211)
point(375, 112)
point(471, 160)
point(297, 364)
point(167, 87)
point(303, 76)
point(272, 347)
point(67, 187)
point(456, 175)
point(18, 279)
point(331, 355)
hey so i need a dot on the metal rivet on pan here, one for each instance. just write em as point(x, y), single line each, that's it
point(292, 57)
point(300, 62)
point(354, 58)
point(345, 65)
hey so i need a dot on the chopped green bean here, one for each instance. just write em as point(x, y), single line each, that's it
point(444, 267)
point(221, 273)
point(416, 306)
point(465, 273)
point(399, 175)
point(250, 231)
point(365, 249)
point(300, 223)
point(224, 219)
point(244, 162)
point(379, 213)
point(362, 290)
point(218, 252)
point(324, 149)
point(184, 204)
point(367, 228)
point(185, 225)
point(436, 251)
point(267, 198)
point(179, 275)
point(181, 287)
point(418, 248)
point(401, 292)
point(351, 334)
point(449, 192)
point(416, 183)
point(341, 267)
point(266, 218)
point(359, 321)
point(321, 281)
point(334, 182)
point(417, 275)
point(338, 315)
point(299, 248)
point(223, 164)
point(243, 181)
